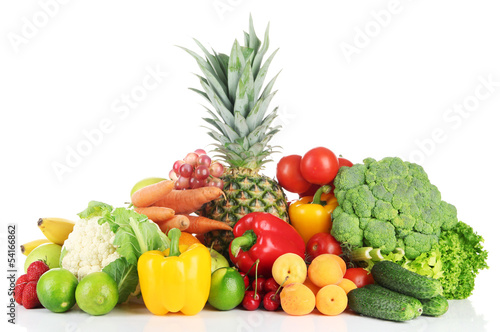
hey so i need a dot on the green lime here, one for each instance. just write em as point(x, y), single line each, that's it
point(143, 183)
point(56, 290)
point(227, 288)
point(97, 293)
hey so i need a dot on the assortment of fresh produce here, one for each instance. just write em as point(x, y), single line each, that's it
point(374, 238)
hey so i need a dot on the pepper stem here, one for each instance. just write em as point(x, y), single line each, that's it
point(322, 190)
point(174, 234)
point(243, 242)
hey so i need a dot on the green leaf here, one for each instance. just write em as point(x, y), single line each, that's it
point(261, 75)
point(95, 209)
point(125, 275)
point(256, 116)
point(219, 106)
point(245, 92)
point(235, 69)
point(215, 63)
point(260, 54)
point(253, 41)
point(240, 124)
point(215, 83)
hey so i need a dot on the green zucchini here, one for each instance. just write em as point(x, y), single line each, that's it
point(435, 306)
point(388, 306)
point(397, 278)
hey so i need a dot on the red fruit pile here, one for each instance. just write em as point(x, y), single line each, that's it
point(25, 290)
point(261, 292)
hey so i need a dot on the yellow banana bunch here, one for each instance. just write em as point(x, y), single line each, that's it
point(28, 247)
point(56, 230)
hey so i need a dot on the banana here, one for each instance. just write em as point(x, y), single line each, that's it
point(56, 230)
point(28, 247)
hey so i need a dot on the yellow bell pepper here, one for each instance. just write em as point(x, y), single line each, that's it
point(172, 281)
point(313, 214)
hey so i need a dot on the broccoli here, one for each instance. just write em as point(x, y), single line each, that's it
point(388, 209)
point(397, 202)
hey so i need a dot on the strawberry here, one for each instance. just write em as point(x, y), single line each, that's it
point(30, 299)
point(22, 279)
point(36, 269)
point(18, 290)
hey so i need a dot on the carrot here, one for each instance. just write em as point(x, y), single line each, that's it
point(156, 213)
point(178, 221)
point(201, 225)
point(189, 200)
point(146, 196)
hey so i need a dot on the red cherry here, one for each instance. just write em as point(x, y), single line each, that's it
point(271, 301)
point(251, 300)
point(245, 279)
point(258, 284)
point(271, 285)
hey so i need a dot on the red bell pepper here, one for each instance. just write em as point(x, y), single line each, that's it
point(264, 237)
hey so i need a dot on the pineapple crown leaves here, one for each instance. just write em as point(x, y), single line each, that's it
point(234, 86)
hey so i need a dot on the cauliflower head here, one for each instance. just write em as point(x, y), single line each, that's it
point(389, 204)
point(89, 248)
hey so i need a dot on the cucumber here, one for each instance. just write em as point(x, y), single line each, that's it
point(397, 278)
point(415, 303)
point(436, 306)
point(388, 306)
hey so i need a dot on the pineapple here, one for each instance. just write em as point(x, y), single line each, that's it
point(242, 130)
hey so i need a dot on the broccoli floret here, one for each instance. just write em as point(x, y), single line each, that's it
point(346, 228)
point(418, 243)
point(380, 234)
point(389, 204)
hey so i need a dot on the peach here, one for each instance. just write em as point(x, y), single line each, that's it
point(331, 300)
point(297, 299)
point(325, 270)
point(347, 285)
point(289, 268)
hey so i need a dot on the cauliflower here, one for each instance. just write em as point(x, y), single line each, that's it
point(111, 240)
point(89, 248)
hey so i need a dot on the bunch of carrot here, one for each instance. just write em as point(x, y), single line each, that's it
point(171, 208)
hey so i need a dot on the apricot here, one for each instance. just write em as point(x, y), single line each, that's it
point(297, 299)
point(347, 285)
point(289, 268)
point(325, 270)
point(341, 263)
point(331, 300)
point(311, 286)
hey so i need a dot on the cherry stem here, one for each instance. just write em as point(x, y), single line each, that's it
point(256, 276)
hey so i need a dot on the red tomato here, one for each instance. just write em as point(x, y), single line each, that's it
point(359, 276)
point(344, 162)
point(319, 166)
point(322, 243)
point(289, 176)
point(311, 191)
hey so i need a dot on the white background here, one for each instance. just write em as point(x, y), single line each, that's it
point(66, 67)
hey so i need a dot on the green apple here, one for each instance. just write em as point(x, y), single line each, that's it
point(218, 260)
point(49, 253)
point(143, 183)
